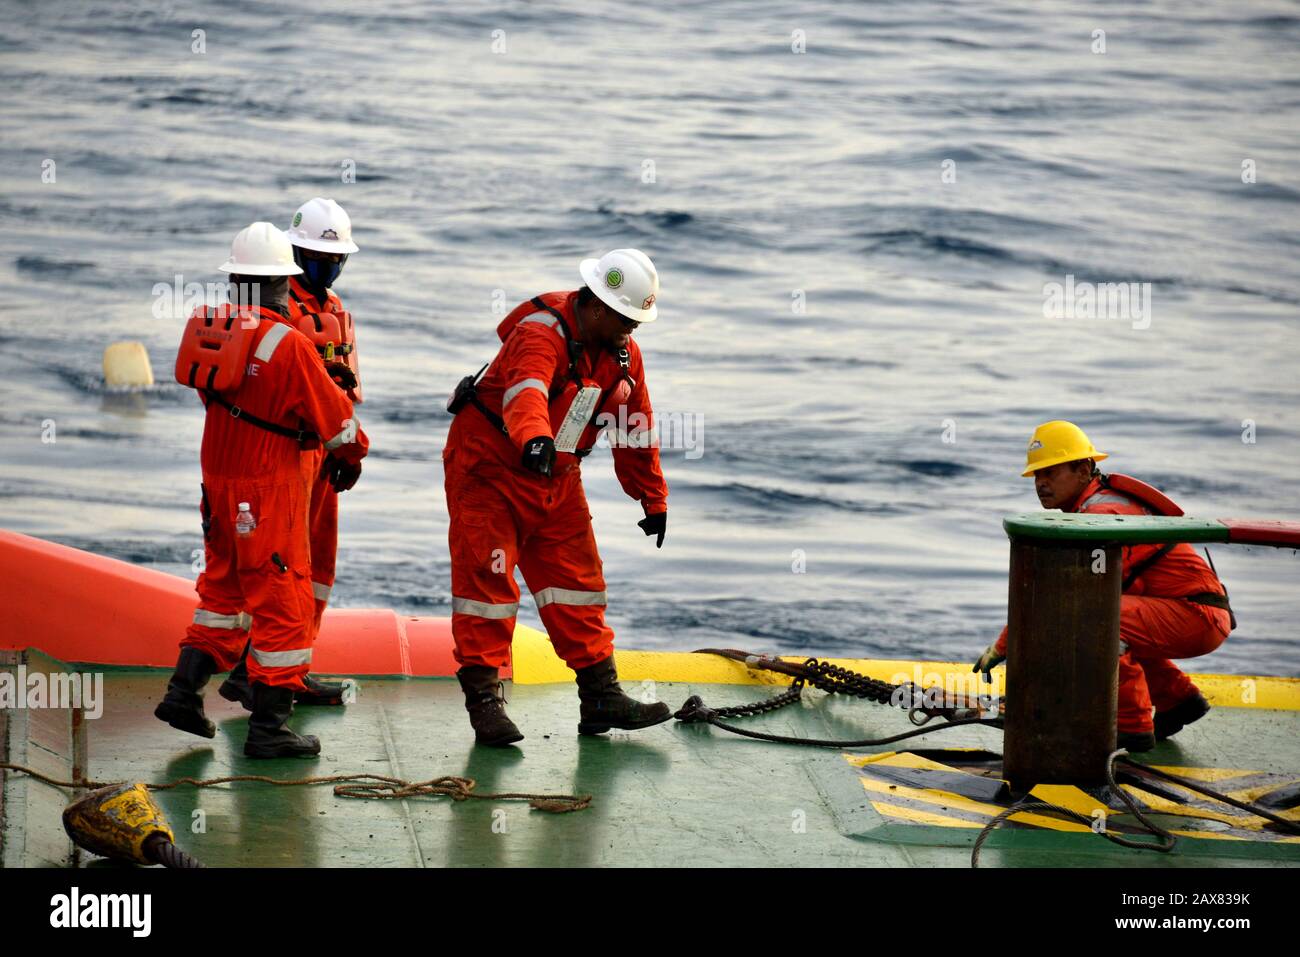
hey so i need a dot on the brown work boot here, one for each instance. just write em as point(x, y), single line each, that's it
point(485, 701)
point(1193, 708)
point(605, 706)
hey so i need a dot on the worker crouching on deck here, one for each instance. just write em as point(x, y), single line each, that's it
point(269, 401)
point(515, 496)
point(1173, 605)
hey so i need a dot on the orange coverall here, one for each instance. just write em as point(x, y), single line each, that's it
point(323, 521)
point(503, 515)
point(1155, 622)
point(263, 579)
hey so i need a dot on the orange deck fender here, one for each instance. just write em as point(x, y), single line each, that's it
point(84, 608)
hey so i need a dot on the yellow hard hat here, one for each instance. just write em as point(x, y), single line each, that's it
point(1056, 442)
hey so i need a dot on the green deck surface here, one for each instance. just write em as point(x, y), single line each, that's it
point(666, 796)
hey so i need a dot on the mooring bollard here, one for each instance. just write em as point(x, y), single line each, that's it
point(1062, 648)
point(1063, 631)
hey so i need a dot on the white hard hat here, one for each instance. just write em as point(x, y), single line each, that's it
point(321, 224)
point(261, 250)
point(625, 280)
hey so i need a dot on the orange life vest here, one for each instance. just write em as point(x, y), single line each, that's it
point(1115, 485)
point(214, 347)
point(213, 357)
point(331, 331)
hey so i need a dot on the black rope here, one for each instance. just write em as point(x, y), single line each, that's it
point(1284, 823)
point(1166, 840)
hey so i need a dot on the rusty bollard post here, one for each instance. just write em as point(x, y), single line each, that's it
point(1062, 649)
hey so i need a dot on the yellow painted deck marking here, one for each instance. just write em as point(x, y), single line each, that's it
point(535, 662)
point(960, 802)
point(1064, 795)
point(915, 816)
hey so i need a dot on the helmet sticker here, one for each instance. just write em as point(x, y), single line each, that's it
point(1035, 445)
point(297, 220)
point(648, 301)
point(614, 278)
point(329, 234)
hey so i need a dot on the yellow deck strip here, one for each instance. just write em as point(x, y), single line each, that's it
point(906, 759)
point(948, 799)
point(535, 662)
point(881, 791)
point(916, 816)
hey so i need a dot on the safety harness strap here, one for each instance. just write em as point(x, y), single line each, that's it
point(575, 348)
point(1232, 616)
point(497, 422)
point(298, 435)
point(1136, 571)
point(1211, 599)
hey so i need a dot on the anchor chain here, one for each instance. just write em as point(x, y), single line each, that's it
point(832, 679)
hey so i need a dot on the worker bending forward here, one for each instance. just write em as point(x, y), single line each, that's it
point(514, 488)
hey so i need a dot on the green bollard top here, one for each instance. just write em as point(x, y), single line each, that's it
point(1124, 529)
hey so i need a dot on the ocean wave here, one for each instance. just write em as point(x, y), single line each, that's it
point(929, 468)
point(924, 245)
point(44, 266)
point(779, 502)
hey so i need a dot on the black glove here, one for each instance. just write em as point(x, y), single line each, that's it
point(988, 661)
point(539, 455)
point(341, 373)
point(342, 475)
point(656, 524)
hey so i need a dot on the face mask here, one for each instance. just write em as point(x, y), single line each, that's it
point(320, 273)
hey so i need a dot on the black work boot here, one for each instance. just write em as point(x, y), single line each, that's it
point(486, 703)
point(318, 694)
point(268, 737)
point(236, 687)
point(182, 706)
point(605, 706)
point(323, 694)
point(1168, 723)
point(1135, 741)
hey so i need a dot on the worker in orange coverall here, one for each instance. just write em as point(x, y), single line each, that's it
point(1173, 606)
point(321, 235)
point(256, 584)
point(567, 364)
